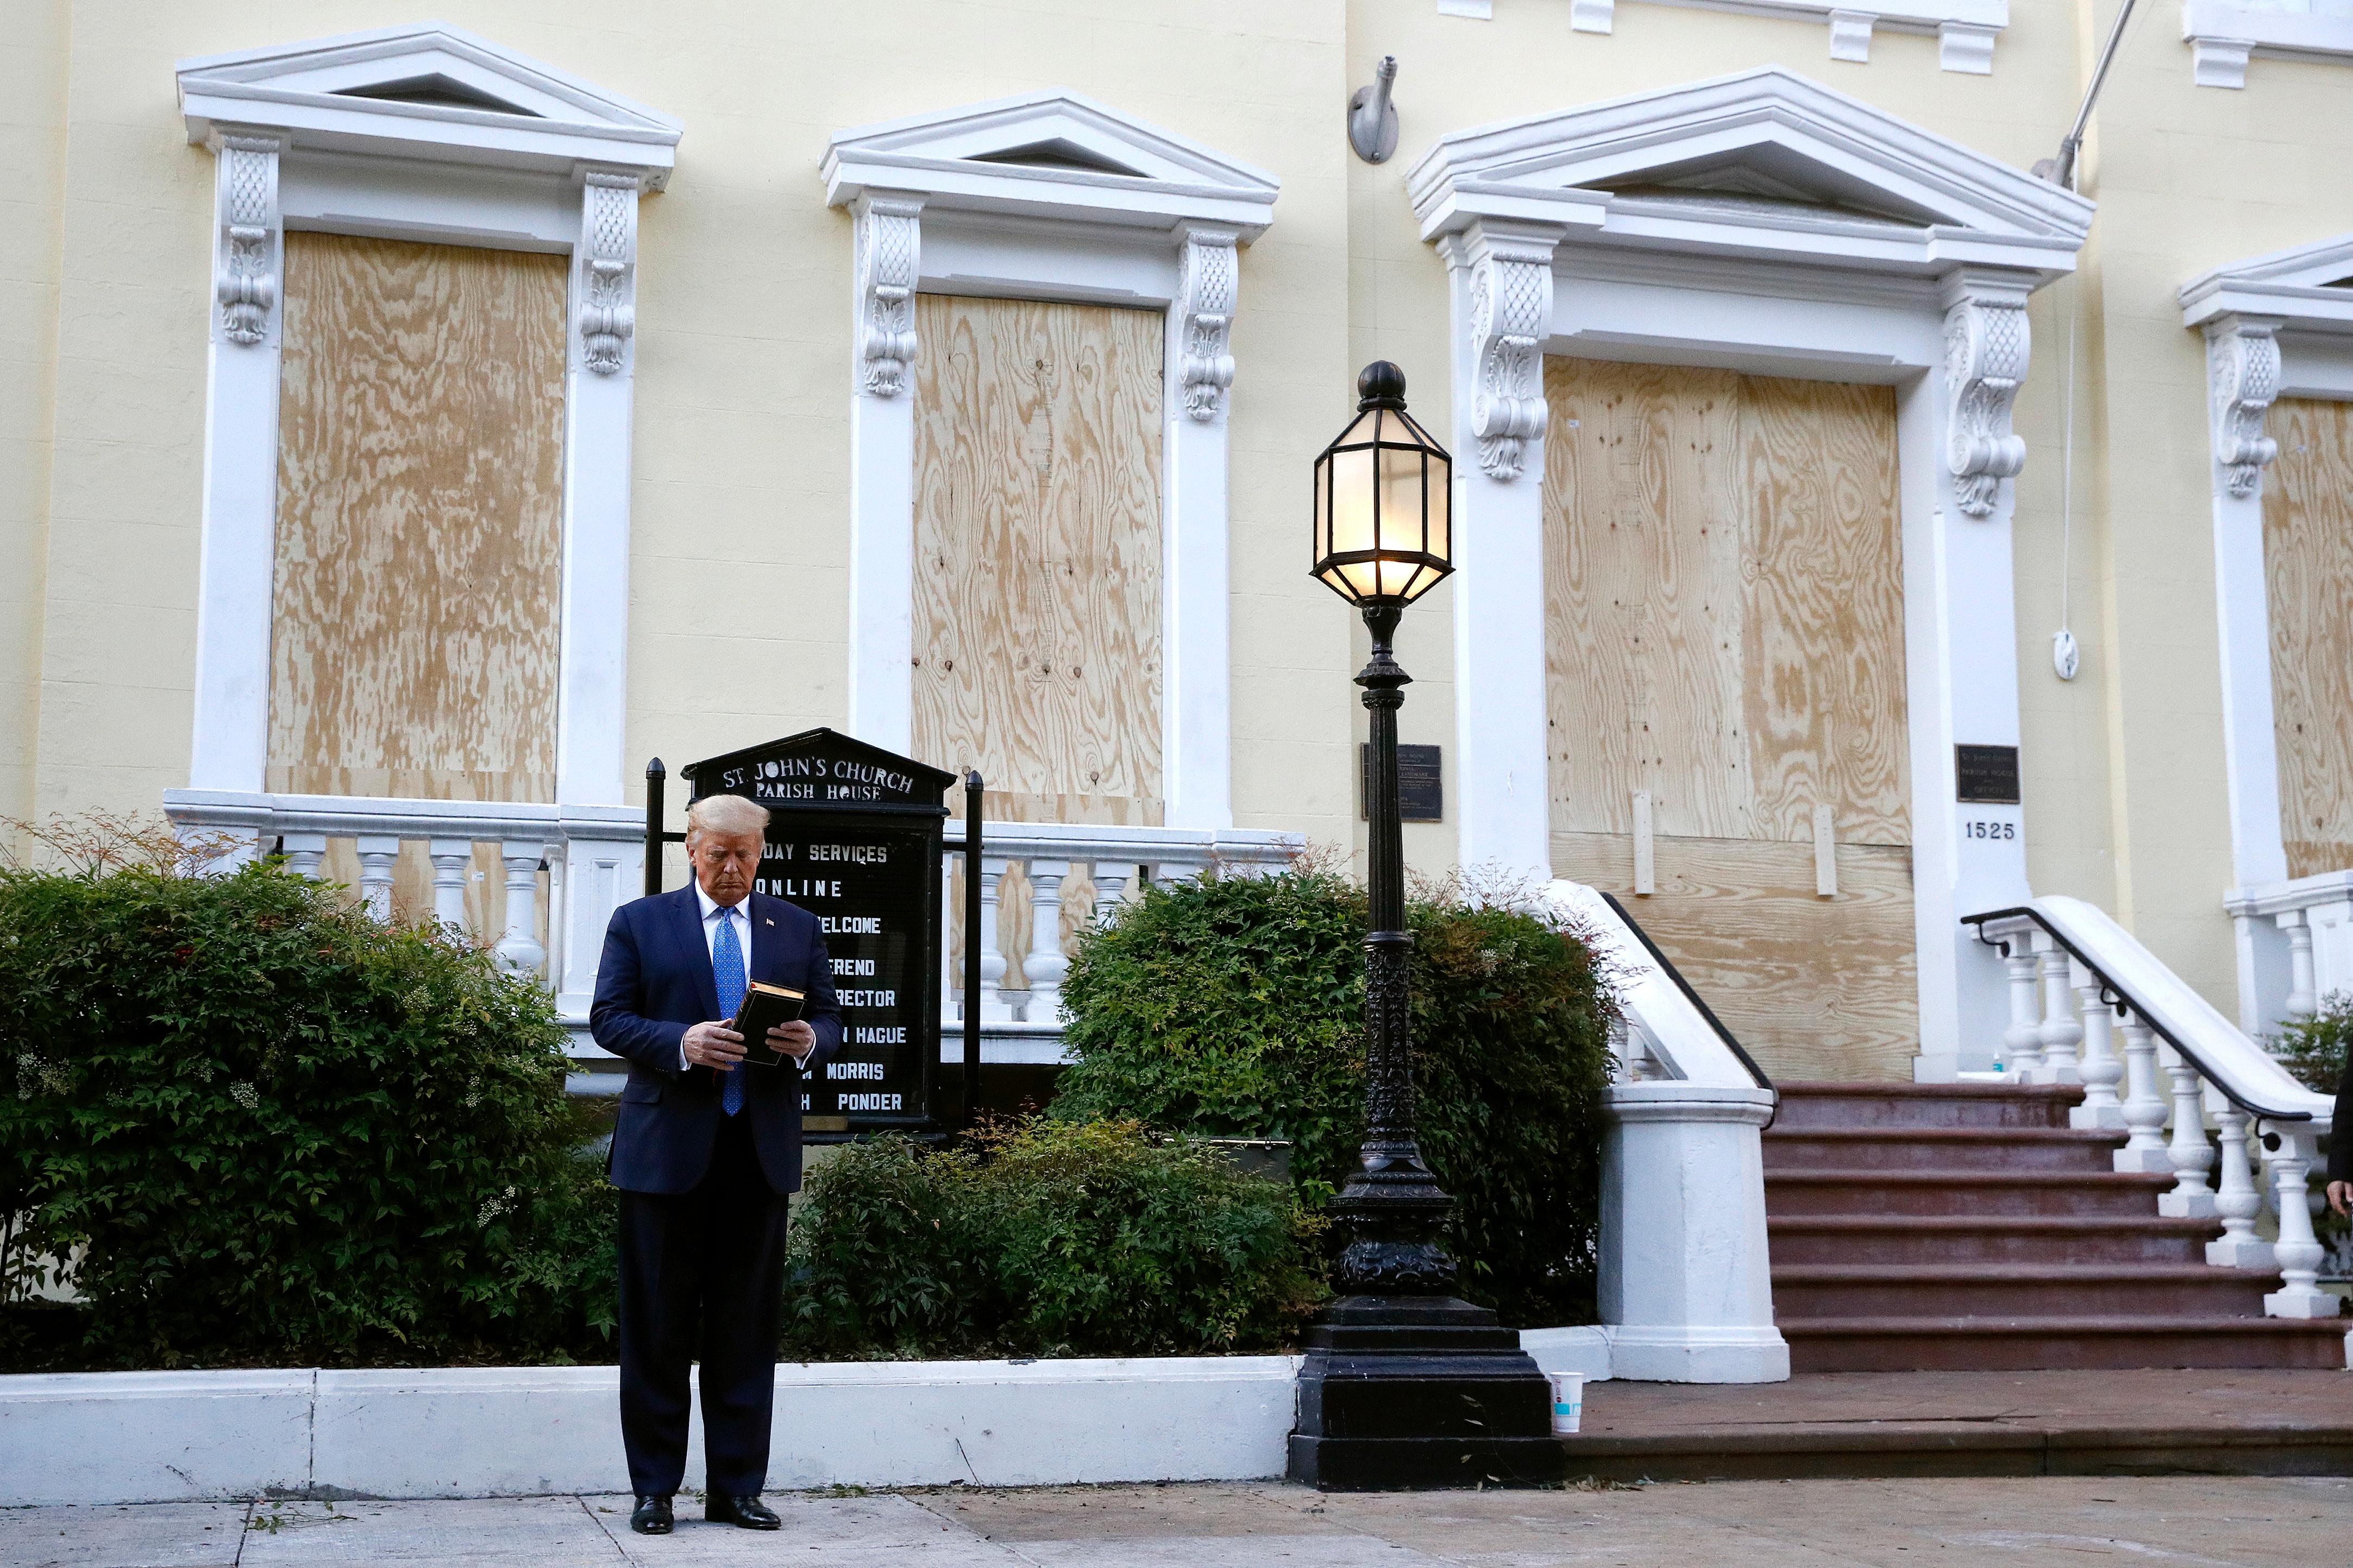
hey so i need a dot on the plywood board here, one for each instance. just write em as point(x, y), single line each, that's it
point(1037, 590)
point(1822, 657)
point(413, 640)
point(2308, 574)
point(1814, 988)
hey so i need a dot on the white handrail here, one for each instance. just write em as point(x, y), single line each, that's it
point(1659, 1017)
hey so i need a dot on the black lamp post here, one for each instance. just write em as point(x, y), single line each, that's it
point(1404, 1386)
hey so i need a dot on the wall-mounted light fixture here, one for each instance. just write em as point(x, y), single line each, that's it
point(1372, 118)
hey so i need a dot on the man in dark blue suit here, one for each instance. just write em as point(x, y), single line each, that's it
point(706, 1150)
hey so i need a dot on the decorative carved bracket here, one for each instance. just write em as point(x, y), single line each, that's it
point(1511, 316)
point(608, 268)
point(1207, 276)
point(890, 250)
point(245, 259)
point(2242, 370)
point(1986, 348)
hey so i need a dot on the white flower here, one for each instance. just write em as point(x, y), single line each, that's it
point(245, 1094)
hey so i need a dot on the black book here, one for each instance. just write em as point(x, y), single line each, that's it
point(765, 1007)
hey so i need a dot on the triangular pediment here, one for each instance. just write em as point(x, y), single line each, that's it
point(1765, 161)
point(823, 769)
point(1049, 153)
point(430, 90)
point(2308, 285)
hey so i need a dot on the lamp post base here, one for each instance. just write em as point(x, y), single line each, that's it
point(1406, 1393)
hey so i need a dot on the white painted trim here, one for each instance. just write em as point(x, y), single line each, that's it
point(1936, 310)
point(2222, 36)
point(562, 174)
point(932, 210)
point(2275, 327)
point(1965, 30)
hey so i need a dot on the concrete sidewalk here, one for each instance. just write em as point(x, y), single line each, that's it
point(2037, 1524)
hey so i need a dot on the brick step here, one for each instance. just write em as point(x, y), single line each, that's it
point(2122, 1290)
point(1939, 1149)
point(2031, 1343)
point(2120, 1195)
point(1970, 1238)
point(1810, 1105)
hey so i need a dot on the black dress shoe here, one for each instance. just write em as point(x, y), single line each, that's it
point(747, 1511)
point(652, 1516)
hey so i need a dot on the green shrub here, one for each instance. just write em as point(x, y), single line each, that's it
point(1063, 1239)
point(2314, 1049)
point(286, 1131)
point(1233, 1006)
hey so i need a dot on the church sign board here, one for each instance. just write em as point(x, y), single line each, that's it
point(854, 838)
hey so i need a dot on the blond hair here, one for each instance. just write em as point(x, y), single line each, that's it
point(729, 814)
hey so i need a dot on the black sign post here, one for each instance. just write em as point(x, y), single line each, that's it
point(854, 838)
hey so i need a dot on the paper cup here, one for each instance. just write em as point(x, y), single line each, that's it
point(1567, 1400)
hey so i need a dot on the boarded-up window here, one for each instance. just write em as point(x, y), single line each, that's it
point(1037, 590)
point(413, 643)
point(2308, 574)
point(1725, 619)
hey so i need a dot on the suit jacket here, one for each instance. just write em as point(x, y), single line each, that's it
point(654, 983)
point(2341, 1134)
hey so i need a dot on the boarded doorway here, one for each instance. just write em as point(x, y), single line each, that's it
point(2308, 575)
point(1724, 637)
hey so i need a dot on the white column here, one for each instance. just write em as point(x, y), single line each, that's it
point(2242, 377)
point(1195, 587)
point(2302, 1002)
point(1045, 963)
point(378, 853)
point(604, 859)
point(993, 1005)
point(2103, 1069)
point(2062, 1032)
point(2023, 1041)
point(231, 740)
point(1685, 1286)
point(2299, 1251)
point(591, 681)
point(519, 949)
point(883, 470)
point(2193, 1155)
point(303, 852)
point(1502, 305)
point(1960, 642)
point(2238, 1203)
point(451, 858)
point(2144, 1107)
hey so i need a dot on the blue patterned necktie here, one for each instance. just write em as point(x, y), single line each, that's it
point(727, 973)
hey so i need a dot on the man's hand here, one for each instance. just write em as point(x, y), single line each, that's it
point(713, 1045)
point(2340, 1196)
point(795, 1039)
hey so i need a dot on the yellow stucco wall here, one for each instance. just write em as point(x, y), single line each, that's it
point(742, 352)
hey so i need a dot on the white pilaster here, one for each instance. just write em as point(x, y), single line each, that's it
point(1197, 722)
point(230, 739)
point(883, 470)
point(1501, 286)
point(2242, 375)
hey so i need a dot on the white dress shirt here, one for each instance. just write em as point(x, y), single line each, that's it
point(739, 914)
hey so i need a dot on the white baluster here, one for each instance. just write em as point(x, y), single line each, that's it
point(2060, 1034)
point(1176, 870)
point(450, 858)
point(2021, 1043)
point(2193, 1155)
point(951, 969)
point(2102, 1067)
point(2298, 1253)
point(2143, 1107)
point(2302, 998)
point(2238, 1203)
point(519, 949)
point(1045, 963)
point(993, 1004)
point(303, 852)
point(1110, 887)
point(378, 853)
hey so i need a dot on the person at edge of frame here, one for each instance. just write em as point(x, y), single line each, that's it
point(705, 1153)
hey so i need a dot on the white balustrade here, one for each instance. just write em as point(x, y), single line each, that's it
point(2238, 1203)
point(2023, 1041)
point(2191, 1154)
point(2103, 1069)
point(2298, 1251)
point(451, 858)
point(519, 949)
point(378, 854)
point(2143, 1107)
point(2059, 1032)
point(993, 1007)
point(1045, 963)
point(2295, 948)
